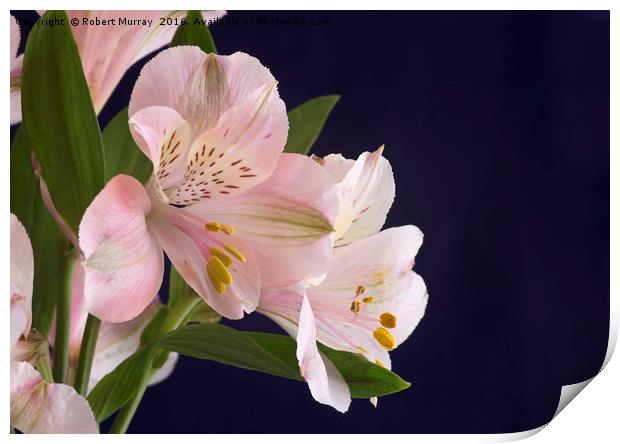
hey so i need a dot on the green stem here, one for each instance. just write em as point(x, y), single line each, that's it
point(63, 324)
point(87, 352)
point(125, 415)
point(43, 366)
point(179, 315)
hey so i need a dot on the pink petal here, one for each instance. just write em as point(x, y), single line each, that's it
point(118, 341)
point(22, 275)
point(366, 194)
point(176, 78)
point(164, 137)
point(291, 310)
point(39, 407)
point(124, 263)
point(286, 220)
point(240, 152)
point(381, 265)
point(184, 253)
point(326, 383)
point(162, 35)
point(15, 38)
point(108, 51)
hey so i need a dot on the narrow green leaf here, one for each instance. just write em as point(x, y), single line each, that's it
point(226, 345)
point(119, 386)
point(194, 33)
point(364, 378)
point(49, 244)
point(306, 122)
point(275, 354)
point(122, 155)
point(59, 119)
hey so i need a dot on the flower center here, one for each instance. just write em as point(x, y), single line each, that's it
point(219, 261)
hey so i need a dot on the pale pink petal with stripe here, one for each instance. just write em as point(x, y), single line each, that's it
point(40, 407)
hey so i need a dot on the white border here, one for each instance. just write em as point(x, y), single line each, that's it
point(594, 417)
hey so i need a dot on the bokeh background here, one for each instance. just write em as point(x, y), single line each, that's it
point(497, 127)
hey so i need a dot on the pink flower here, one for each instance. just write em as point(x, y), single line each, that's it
point(22, 275)
point(16, 74)
point(214, 128)
point(107, 50)
point(115, 342)
point(37, 406)
point(370, 300)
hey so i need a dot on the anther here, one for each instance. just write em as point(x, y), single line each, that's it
point(213, 226)
point(219, 270)
point(356, 306)
point(384, 338)
point(221, 256)
point(388, 320)
point(368, 299)
point(234, 252)
point(228, 229)
point(359, 290)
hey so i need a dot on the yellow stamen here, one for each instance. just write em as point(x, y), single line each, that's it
point(228, 229)
point(219, 270)
point(213, 226)
point(236, 253)
point(356, 306)
point(362, 349)
point(368, 299)
point(217, 284)
point(384, 338)
point(388, 320)
point(379, 363)
point(359, 290)
point(221, 256)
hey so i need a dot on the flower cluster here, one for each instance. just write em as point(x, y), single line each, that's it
point(247, 226)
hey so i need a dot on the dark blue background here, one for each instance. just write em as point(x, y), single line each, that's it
point(497, 128)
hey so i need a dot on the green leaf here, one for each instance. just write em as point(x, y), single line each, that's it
point(117, 387)
point(275, 354)
point(59, 119)
point(364, 378)
point(226, 345)
point(306, 122)
point(122, 155)
point(49, 244)
point(194, 33)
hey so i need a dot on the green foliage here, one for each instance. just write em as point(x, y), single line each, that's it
point(58, 116)
point(49, 244)
point(306, 122)
point(117, 387)
point(194, 33)
point(275, 354)
point(122, 155)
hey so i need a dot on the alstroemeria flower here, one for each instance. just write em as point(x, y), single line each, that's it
point(214, 128)
point(366, 192)
point(37, 406)
point(22, 275)
point(370, 300)
point(107, 51)
point(16, 74)
point(41, 407)
point(116, 341)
